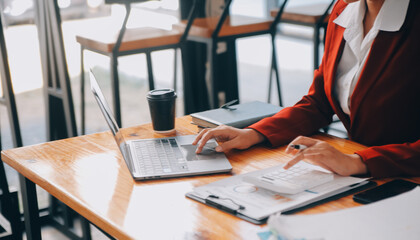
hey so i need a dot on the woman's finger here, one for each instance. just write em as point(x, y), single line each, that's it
point(199, 136)
point(214, 133)
point(301, 140)
point(297, 158)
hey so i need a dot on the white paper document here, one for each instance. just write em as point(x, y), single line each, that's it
point(259, 203)
point(393, 218)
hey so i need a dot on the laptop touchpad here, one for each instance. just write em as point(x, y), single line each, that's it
point(208, 152)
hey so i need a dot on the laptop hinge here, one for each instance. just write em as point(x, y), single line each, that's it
point(125, 150)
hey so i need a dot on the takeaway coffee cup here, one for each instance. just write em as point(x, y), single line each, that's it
point(162, 109)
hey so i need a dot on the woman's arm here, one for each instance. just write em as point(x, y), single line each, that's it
point(307, 116)
point(313, 111)
point(392, 160)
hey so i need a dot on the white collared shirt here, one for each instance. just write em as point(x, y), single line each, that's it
point(356, 50)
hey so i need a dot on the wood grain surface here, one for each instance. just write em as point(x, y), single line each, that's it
point(134, 39)
point(233, 25)
point(88, 174)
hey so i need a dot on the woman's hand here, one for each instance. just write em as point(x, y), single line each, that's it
point(326, 156)
point(231, 138)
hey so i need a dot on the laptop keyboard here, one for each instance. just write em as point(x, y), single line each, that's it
point(159, 156)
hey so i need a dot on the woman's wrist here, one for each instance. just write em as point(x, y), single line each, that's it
point(359, 166)
point(255, 136)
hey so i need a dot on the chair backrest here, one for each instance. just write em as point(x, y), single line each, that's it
point(222, 19)
point(278, 16)
point(127, 3)
point(9, 207)
point(8, 98)
point(191, 16)
point(61, 120)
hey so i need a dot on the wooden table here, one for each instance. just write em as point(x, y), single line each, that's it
point(88, 174)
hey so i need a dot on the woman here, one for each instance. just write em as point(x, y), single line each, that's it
point(370, 78)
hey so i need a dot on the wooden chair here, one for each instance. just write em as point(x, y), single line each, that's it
point(128, 42)
point(315, 15)
point(212, 30)
point(10, 220)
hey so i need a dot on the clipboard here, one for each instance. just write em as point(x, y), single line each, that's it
point(226, 209)
point(219, 195)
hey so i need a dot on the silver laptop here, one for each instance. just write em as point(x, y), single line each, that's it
point(162, 157)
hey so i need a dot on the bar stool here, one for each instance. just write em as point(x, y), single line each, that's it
point(212, 30)
point(9, 201)
point(128, 42)
point(60, 117)
point(313, 15)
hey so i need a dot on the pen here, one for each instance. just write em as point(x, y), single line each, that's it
point(228, 105)
point(220, 206)
point(298, 146)
point(198, 125)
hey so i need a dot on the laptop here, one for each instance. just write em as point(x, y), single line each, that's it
point(161, 157)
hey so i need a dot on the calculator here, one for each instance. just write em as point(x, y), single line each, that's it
point(296, 179)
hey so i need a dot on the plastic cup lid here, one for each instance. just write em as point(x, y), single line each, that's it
point(161, 93)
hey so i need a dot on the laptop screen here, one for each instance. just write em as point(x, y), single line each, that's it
point(106, 111)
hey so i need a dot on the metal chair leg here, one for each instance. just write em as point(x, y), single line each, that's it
point(150, 71)
point(187, 80)
point(86, 233)
point(59, 209)
point(9, 199)
point(231, 87)
point(175, 68)
point(14, 216)
point(30, 207)
point(210, 80)
point(274, 67)
point(67, 216)
point(82, 92)
point(316, 46)
point(115, 85)
point(10, 205)
point(270, 82)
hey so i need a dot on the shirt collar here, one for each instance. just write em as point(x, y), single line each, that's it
point(390, 18)
point(351, 15)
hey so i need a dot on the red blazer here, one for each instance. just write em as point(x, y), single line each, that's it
point(385, 105)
